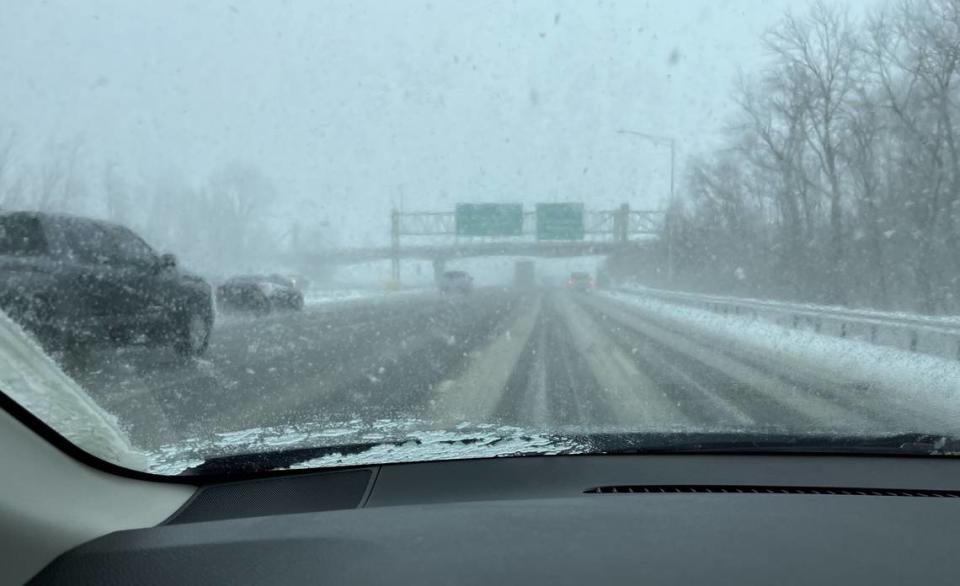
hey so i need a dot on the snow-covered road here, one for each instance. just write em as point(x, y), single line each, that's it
point(549, 360)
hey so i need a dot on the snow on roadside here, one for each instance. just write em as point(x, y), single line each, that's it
point(928, 382)
point(798, 306)
point(33, 379)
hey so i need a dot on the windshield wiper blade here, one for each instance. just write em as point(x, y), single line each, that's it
point(614, 444)
point(738, 443)
point(248, 463)
point(254, 462)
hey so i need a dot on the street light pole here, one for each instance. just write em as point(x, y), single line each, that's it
point(672, 143)
point(660, 141)
point(673, 166)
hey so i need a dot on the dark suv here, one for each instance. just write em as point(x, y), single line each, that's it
point(74, 282)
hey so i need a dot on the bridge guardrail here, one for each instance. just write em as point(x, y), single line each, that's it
point(937, 336)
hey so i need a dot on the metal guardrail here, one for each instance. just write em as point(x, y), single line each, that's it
point(937, 336)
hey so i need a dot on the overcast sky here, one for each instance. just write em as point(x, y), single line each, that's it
point(354, 105)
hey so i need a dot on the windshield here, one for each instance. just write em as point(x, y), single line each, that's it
point(329, 233)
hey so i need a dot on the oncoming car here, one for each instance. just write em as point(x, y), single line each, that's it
point(260, 294)
point(75, 282)
point(456, 282)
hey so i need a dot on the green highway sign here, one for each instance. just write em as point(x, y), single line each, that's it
point(560, 221)
point(489, 219)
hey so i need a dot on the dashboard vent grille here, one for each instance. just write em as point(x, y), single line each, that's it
point(683, 489)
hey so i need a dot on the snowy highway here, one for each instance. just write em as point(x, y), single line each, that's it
point(547, 359)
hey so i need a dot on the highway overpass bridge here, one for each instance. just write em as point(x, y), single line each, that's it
point(592, 233)
point(432, 252)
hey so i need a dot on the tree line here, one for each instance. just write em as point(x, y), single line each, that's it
point(838, 180)
point(227, 223)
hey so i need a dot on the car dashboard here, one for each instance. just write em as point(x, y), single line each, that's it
point(650, 519)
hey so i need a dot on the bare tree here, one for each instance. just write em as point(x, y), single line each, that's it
point(241, 196)
point(866, 130)
point(7, 141)
point(60, 183)
point(841, 178)
point(116, 193)
point(774, 143)
point(914, 52)
point(822, 51)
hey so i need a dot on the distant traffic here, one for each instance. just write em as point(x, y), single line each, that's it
point(77, 284)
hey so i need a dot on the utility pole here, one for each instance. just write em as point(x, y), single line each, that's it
point(395, 246)
point(624, 234)
point(672, 143)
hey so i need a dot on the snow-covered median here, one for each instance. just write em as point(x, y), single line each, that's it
point(928, 383)
point(324, 297)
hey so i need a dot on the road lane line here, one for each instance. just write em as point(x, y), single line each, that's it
point(632, 396)
point(475, 394)
point(697, 399)
point(537, 388)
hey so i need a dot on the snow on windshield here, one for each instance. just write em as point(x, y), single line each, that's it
point(428, 230)
point(29, 377)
